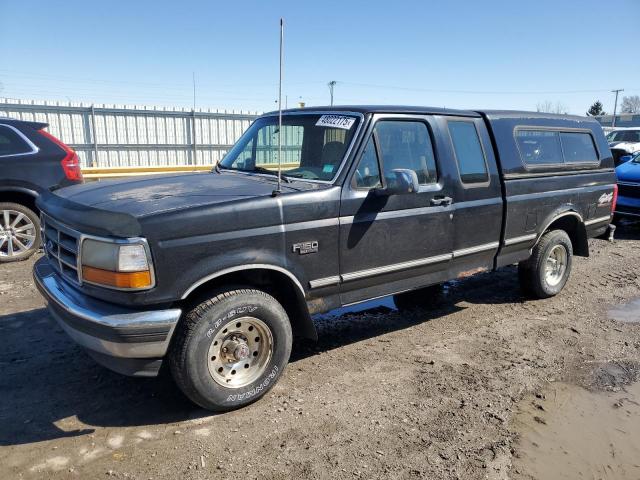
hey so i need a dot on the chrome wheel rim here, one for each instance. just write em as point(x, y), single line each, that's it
point(556, 265)
point(17, 233)
point(240, 352)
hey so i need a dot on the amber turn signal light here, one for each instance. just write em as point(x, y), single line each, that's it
point(117, 279)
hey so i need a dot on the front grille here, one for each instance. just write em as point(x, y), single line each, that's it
point(630, 190)
point(61, 245)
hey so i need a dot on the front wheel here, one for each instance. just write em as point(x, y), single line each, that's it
point(231, 349)
point(546, 272)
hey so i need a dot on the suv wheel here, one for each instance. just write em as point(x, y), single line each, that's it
point(19, 232)
point(231, 349)
point(546, 272)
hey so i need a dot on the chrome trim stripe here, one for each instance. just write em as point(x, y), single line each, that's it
point(585, 171)
point(521, 239)
point(395, 267)
point(252, 266)
point(594, 221)
point(324, 282)
point(477, 249)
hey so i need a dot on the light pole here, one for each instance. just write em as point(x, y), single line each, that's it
point(615, 105)
point(331, 85)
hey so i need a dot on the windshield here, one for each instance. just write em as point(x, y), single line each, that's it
point(624, 136)
point(313, 146)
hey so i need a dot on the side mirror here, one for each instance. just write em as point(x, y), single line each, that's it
point(402, 182)
point(625, 158)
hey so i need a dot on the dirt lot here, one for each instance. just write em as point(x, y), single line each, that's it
point(449, 393)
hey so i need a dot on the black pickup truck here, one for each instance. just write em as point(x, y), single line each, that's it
point(218, 271)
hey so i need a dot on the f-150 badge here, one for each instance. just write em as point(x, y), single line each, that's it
point(605, 199)
point(305, 247)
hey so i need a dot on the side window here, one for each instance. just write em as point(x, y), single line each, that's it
point(407, 145)
point(468, 150)
point(368, 171)
point(551, 147)
point(11, 143)
point(578, 147)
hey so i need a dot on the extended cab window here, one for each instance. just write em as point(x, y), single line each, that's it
point(313, 146)
point(11, 143)
point(469, 153)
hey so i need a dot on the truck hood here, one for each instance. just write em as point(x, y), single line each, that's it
point(161, 193)
point(628, 172)
point(114, 207)
point(629, 147)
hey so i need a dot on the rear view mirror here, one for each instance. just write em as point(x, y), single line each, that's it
point(625, 158)
point(402, 182)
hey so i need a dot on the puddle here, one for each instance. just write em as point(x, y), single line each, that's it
point(571, 433)
point(627, 312)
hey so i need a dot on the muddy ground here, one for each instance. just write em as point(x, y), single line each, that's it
point(441, 394)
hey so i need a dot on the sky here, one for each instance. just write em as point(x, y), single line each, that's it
point(453, 53)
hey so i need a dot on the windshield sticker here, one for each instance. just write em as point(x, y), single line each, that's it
point(336, 121)
point(328, 168)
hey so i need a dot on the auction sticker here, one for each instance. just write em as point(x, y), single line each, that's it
point(336, 121)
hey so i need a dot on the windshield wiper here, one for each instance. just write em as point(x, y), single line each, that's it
point(269, 172)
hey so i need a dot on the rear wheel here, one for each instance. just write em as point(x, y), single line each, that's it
point(19, 232)
point(546, 272)
point(231, 349)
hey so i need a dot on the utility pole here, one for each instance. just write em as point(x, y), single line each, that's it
point(615, 105)
point(193, 121)
point(331, 85)
point(194, 90)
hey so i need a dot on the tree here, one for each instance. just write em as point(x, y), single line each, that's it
point(596, 109)
point(550, 107)
point(630, 104)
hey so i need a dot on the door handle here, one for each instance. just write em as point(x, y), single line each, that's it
point(441, 201)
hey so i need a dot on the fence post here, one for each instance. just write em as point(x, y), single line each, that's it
point(94, 136)
point(193, 138)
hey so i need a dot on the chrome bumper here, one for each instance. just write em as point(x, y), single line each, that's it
point(112, 334)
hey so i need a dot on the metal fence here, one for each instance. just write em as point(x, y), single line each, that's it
point(117, 136)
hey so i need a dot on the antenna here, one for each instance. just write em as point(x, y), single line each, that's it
point(280, 114)
point(331, 86)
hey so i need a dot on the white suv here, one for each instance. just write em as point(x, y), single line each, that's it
point(624, 142)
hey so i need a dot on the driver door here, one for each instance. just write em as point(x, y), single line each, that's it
point(391, 243)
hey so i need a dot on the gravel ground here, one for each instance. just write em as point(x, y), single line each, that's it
point(382, 395)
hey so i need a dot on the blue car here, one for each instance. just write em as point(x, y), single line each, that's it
point(628, 173)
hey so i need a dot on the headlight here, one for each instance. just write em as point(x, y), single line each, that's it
point(117, 265)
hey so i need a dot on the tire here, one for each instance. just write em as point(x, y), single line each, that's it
point(546, 272)
point(256, 333)
point(19, 232)
point(424, 298)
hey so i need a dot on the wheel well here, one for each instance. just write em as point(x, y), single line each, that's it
point(273, 282)
point(22, 198)
point(576, 231)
